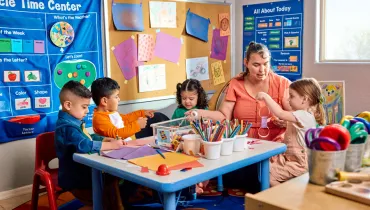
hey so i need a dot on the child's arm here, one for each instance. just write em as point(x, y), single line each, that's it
point(81, 142)
point(275, 108)
point(133, 116)
point(104, 127)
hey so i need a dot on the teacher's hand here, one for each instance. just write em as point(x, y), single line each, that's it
point(193, 114)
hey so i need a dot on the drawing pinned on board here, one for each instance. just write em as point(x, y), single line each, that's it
point(333, 93)
point(127, 17)
point(126, 56)
point(146, 47)
point(167, 47)
point(162, 14)
point(217, 73)
point(224, 20)
point(197, 26)
point(197, 68)
point(152, 77)
point(219, 45)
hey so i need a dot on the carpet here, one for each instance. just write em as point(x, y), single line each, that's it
point(65, 201)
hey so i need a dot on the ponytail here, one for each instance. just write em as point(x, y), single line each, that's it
point(320, 114)
point(178, 94)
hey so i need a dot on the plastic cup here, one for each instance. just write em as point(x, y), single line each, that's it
point(239, 143)
point(212, 150)
point(191, 144)
point(227, 146)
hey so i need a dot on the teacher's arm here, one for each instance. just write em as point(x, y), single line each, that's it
point(225, 112)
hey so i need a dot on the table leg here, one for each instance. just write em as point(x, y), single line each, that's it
point(220, 186)
point(169, 201)
point(97, 187)
point(264, 174)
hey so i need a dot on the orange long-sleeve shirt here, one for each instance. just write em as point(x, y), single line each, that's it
point(111, 124)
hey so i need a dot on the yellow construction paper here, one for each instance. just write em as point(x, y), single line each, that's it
point(153, 161)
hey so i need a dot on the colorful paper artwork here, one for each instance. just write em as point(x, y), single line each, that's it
point(217, 73)
point(197, 68)
point(128, 17)
point(333, 92)
point(219, 45)
point(162, 14)
point(224, 20)
point(152, 77)
point(146, 47)
point(167, 47)
point(126, 56)
point(197, 26)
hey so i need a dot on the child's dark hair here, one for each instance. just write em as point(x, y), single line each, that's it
point(192, 85)
point(75, 88)
point(103, 87)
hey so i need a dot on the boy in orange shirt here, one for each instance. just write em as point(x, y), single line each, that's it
point(106, 120)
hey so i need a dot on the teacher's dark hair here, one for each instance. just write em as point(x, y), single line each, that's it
point(255, 47)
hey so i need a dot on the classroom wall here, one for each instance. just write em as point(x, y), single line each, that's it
point(356, 76)
point(17, 158)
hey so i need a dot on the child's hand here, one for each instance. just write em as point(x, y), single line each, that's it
point(108, 139)
point(117, 144)
point(201, 186)
point(149, 113)
point(142, 121)
point(261, 96)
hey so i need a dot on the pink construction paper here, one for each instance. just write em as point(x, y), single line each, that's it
point(167, 47)
point(146, 47)
point(126, 56)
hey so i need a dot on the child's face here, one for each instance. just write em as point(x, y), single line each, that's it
point(189, 99)
point(296, 101)
point(77, 107)
point(112, 101)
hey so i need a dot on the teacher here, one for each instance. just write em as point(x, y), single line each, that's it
point(240, 101)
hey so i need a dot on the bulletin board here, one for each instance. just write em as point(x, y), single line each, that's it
point(191, 48)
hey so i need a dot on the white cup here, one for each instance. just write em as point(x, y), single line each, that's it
point(239, 142)
point(212, 150)
point(191, 144)
point(227, 146)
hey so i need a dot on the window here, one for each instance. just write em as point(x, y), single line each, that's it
point(345, 31)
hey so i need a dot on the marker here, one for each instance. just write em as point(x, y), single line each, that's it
point(159, 152)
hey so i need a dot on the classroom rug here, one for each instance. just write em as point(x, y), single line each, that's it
point(65, 201)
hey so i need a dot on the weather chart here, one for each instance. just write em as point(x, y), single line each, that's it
point(279, 26)
point(43, 45)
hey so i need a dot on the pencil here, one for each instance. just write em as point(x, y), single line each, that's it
point(159, 152)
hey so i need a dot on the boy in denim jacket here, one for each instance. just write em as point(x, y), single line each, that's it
point(72, 137)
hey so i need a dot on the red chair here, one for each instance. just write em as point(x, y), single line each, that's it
point(45, 176)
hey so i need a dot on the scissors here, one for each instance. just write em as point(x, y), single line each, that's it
point(315, 142)
point(365, 122)
point(358, 131)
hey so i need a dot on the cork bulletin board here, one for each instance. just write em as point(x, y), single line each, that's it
point(191, 48)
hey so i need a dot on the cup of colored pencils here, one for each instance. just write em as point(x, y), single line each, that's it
point(238, 130)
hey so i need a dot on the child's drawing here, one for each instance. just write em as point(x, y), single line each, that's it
point(197, 68)
point(333, 93)
point(162, 14)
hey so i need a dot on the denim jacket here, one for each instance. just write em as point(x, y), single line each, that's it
point(70, 138)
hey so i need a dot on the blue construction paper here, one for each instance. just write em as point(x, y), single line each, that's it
point(16, 45)
point(128, 17)
point(197, 26)
point(27, 46)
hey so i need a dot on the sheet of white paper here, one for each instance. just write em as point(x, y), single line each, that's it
point(162, 14)
point(152, 77)
point(197, 68)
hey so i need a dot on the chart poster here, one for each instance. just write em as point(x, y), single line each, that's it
point(43, 45)
point(279, 26)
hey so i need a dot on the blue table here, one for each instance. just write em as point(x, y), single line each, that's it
point(169, 185)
